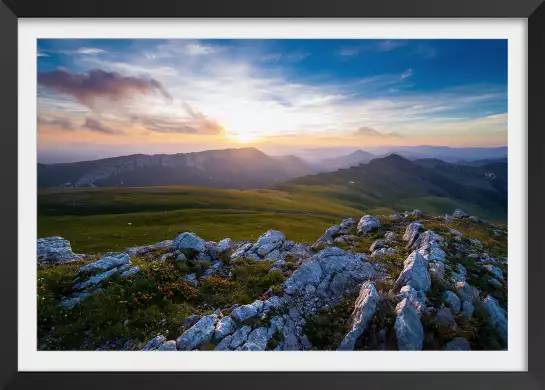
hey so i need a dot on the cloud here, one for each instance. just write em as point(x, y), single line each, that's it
point(391, 44)
point(407, 73)
point(83, 51)
point(61, 123)
point(198, 49)
point(91, 87)
point(369, 132)
point(42, 54)
point(192, 123)
point(426, 51)
point(99, 127)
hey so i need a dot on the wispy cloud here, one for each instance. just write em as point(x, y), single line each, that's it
point(97, 86)
point(97, 126)
point(407, 73)
point(369, 132)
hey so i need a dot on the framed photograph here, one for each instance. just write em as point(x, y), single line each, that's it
point(299, 194)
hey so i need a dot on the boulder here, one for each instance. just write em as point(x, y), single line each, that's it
point(411, 233)
point(459, 214)
point(192, 279)
point(452, 301)
point(308, 273)
point(257, 340)
point(436, 270)
point(130, 272)
point(364, 309)
point(376, 245)
point(458, 344)
point(154, 343)
point(94, 280)
point(240, 336)
point(199, 333)
point(494, 282)
point(495, 271)
point(397, 218)
point(383, 252)
point(107, 263)
point(69, 303)
point(224, 245)
point(416, 298)
point(55, 250)
point(467, 310)
point(497, 316)
point(464, 291)
point(268, 241)
point(408, 328)
point(224, 327)
point(444, 317)
point(244, 312)
point(368, 223)
point(189, 244)
point(390, 237)
point(414, 274)
point(169, 345)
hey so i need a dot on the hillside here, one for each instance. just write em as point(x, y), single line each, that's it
point(397, 182)
point(230, 168)
point(355, 158)
point(388, 282)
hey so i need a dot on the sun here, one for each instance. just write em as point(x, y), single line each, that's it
point(243, 137)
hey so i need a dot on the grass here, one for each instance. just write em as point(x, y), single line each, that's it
point(135, 309)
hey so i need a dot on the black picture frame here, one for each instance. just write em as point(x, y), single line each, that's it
point(11, 10)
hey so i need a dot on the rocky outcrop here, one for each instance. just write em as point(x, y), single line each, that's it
point(411, 233)
point(364, 309)
point(414, 274)
point(199, 333)
point(408, 327)
point(55, 250)
point(189, 244)
point(459, 214)
point(452, 301)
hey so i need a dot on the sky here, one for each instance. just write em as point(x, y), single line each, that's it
point(108, 97)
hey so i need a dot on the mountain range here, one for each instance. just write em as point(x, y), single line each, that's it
point(229, 168)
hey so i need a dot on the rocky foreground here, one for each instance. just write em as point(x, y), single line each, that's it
point(411, 282)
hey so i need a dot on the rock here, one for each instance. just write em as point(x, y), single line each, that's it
point(497, 316)
point(244, 312)
point(458, 344)
point(495, 271)
point(411, 233)
point(414, 274)
point(308, 273)
point(455, 232)
point(190, 321)
point(397, 218)
point(130, 272)
point(189, 244)
point(241, 251)
point(408, 328)
point(476, 243)
point(459, 214)
point(452, 301)
point(69, 303)
point(154, 343)
point(55, 250)
point(376, 245)
point(368, 223)
point(390, 237)
point(464, 291)
point(169, 345)
point(383, 252)
point(107, 263)
point(199, 333)
point(273, 303)
point(494, 282)
point(444, 317)
point(224, 245)
point(274, 255)
point(257, 340)
point(467, 310)
point(268, 241)
point(436, 270)
point(427, 241)
point(305, 343)
point(328, 236)
point(224, 344)
point(347, 225)
point(213, 269)
point(224, 327)
point(94, 280)
point(240, 336)
point(192, 279)
point(365, 307)
point(416, 213)
point(416, 298)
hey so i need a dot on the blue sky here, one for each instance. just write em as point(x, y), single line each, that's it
point(112, 97)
